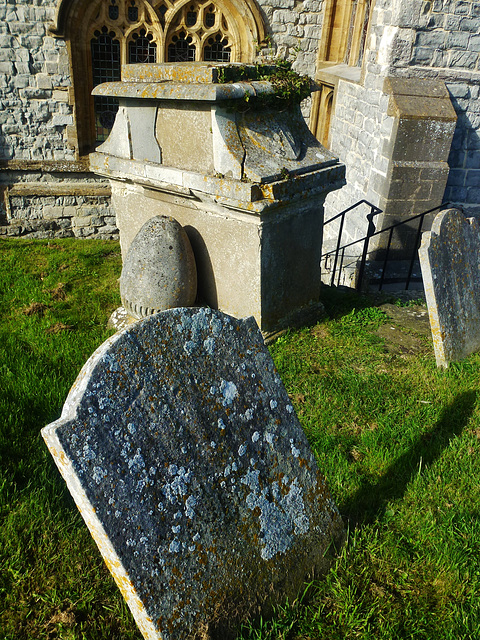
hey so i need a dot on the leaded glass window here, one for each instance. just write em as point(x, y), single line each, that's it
point(113, 11)
point(105, 49)
point(181, 49)
point(142, 48)
point(104, 35)
point(217, 50)
point(132, 12)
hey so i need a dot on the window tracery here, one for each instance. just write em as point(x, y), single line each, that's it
point(103, 35)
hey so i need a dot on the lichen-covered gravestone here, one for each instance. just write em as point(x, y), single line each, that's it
point(450, 263)
point(185, 457)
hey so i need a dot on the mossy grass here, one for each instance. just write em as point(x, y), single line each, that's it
point(397, 439)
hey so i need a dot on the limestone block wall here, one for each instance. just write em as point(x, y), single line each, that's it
point(41, 204)
point(446, 45)
point(436, 40)
point(34, 84)
point(45, 190)
point(463, 186)
point(293, 28)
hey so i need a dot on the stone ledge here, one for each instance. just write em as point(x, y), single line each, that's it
point(332, 74)
point(251, 197)
point(163, 90)
point(49, 166)
point(61, 189)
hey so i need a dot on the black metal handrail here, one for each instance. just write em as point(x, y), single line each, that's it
point(374, 211)
point(372, 232)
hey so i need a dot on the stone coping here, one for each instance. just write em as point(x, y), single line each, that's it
point(168, 90)
point(252, 198)
point(418, 99)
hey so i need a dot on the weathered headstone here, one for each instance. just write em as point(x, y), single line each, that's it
point(450, 262)
point(159, 271)
point(185, 457)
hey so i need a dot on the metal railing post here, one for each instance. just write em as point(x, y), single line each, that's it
point(340, 231)
point(370, 232)
point(387, 253)
point(373, 211)
point(415, 249)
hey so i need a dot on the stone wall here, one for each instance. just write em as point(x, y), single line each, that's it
point(463, 187)
point(45, 190)
point(45, 204)
point(436, 40)
point(34, 83)
point(293, 28)
point(446, 45)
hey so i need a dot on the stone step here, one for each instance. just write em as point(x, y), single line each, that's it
point(394, 279)
point(395, 276)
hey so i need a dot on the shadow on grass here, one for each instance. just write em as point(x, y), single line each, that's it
point(370, 500)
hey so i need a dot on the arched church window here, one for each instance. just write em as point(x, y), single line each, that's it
point(210, 17)
point(113, 10)
point(132, 11)
point(217, 49)
point(141, 48)
point(104, 35)
point(200, 32)
point(181, 48)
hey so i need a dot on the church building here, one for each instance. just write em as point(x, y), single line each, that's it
point(397, 101)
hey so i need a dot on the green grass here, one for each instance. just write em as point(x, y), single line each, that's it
point(55, 299)
point(397, 439)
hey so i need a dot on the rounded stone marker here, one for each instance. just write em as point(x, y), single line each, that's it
point(159, 270)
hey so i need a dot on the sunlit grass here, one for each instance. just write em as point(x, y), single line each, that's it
point(397, 439)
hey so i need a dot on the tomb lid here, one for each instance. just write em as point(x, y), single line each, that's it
point(185, 72)
point(174, 90)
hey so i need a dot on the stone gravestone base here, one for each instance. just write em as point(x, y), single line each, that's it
point(450, 263)
point(185, 457)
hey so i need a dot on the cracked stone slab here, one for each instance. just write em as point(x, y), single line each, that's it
point(185, 457)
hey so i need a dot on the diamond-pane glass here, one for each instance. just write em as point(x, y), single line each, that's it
point(106, 68)
point(142, 50)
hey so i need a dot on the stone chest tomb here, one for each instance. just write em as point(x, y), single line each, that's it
point(235, 164)
point(185, 457)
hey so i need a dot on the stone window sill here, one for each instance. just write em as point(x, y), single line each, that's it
point(332, 74)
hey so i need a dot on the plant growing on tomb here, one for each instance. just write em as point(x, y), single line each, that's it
point(289, 86)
